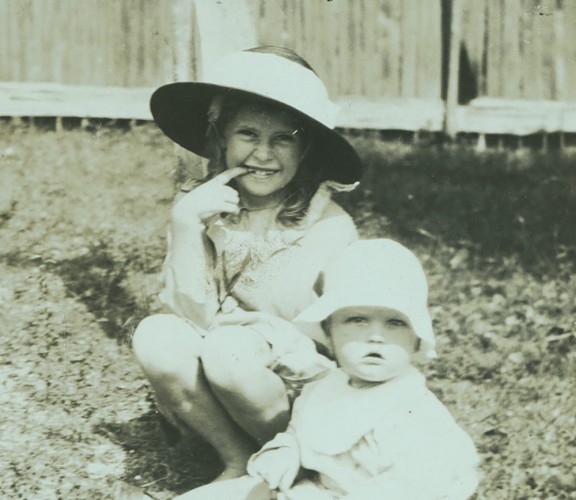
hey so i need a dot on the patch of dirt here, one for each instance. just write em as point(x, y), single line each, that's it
point(81, 243)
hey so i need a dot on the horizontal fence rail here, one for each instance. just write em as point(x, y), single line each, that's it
point(483, 116)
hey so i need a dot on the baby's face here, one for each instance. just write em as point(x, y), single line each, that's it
point(371, 344)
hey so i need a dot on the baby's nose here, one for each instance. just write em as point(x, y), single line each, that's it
point(377, 335)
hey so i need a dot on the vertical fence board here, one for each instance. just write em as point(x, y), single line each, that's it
point(559, 55)
point(510, 83)
point(524, 47)
point(344, 77)
point(548, 73)
point(473, 32)
point(408, 62)
point(429, 55)
point(494, 47)
point(570, 47)
point(395, 51)
point(538, 77)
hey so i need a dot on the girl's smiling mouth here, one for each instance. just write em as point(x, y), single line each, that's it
point(261, 173)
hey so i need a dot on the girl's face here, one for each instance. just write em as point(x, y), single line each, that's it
point(269, 142)
point(371, 344)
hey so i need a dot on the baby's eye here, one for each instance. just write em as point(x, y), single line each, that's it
point(356, 320)
point(397, 322)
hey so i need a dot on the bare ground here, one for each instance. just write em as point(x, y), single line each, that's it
point(82, 218)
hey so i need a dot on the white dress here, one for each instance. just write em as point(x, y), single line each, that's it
point(391, 441)
point(262, 282)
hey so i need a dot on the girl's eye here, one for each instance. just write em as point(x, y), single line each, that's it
point(356, 320)
point(285, 139)
point(247, 133)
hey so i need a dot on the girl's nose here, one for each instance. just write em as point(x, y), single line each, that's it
point(262, 152)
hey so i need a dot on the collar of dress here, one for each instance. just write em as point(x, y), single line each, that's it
point(222, 231)
point(333, 416)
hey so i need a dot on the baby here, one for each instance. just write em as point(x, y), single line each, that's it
point(371, 429)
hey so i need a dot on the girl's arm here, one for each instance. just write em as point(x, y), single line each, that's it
point(190, 287)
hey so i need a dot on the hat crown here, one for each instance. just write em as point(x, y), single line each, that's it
point(276, 78)
point(377, 268)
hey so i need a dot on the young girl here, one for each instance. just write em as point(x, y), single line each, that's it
point(245, 246)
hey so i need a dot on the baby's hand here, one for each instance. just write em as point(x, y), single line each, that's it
point(277, 467)
point(209, 199)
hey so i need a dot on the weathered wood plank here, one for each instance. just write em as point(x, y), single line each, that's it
point(391, 114)
point(32, 99)
point(483, 115)
point(132, 103)
point(223, 28)
point(516, 116)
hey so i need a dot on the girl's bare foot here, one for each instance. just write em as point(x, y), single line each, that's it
point(231, 472)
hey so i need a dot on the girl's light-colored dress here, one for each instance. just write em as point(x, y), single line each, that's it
point(262, 282)
point(393, 441)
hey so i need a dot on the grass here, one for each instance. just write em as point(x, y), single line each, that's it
point(82, 238)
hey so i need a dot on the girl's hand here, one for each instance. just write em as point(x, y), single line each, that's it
point(277, 467)
point(208, 199)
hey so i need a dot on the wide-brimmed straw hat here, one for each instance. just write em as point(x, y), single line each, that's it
point(376, 273)
point(181, 109)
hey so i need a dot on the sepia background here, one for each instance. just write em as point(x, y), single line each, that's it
point(464, 112)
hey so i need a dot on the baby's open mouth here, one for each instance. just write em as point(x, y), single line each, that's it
point(260, 172)
point(374, 355)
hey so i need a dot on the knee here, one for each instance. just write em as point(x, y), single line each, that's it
point(164, 343)
point(231, 354)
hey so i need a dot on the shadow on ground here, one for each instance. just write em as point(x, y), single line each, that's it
point(97, 280)
point(158, 460)
point(155, 465)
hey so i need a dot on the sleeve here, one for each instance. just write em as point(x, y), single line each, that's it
point(190, 288)
point(434, 460)
point(283, 441)
point(331, 234)
point(287, 439)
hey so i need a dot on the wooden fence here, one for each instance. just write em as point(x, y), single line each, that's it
point(385, 61)
point(364, 48)
point(519, 49)
point(128, 43)
point(369, 48)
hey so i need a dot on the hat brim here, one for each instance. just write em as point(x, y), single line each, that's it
point(419, 318)
point(181, 111)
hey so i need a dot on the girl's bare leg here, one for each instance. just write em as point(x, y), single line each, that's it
point(235, 361)
point(167, 348)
